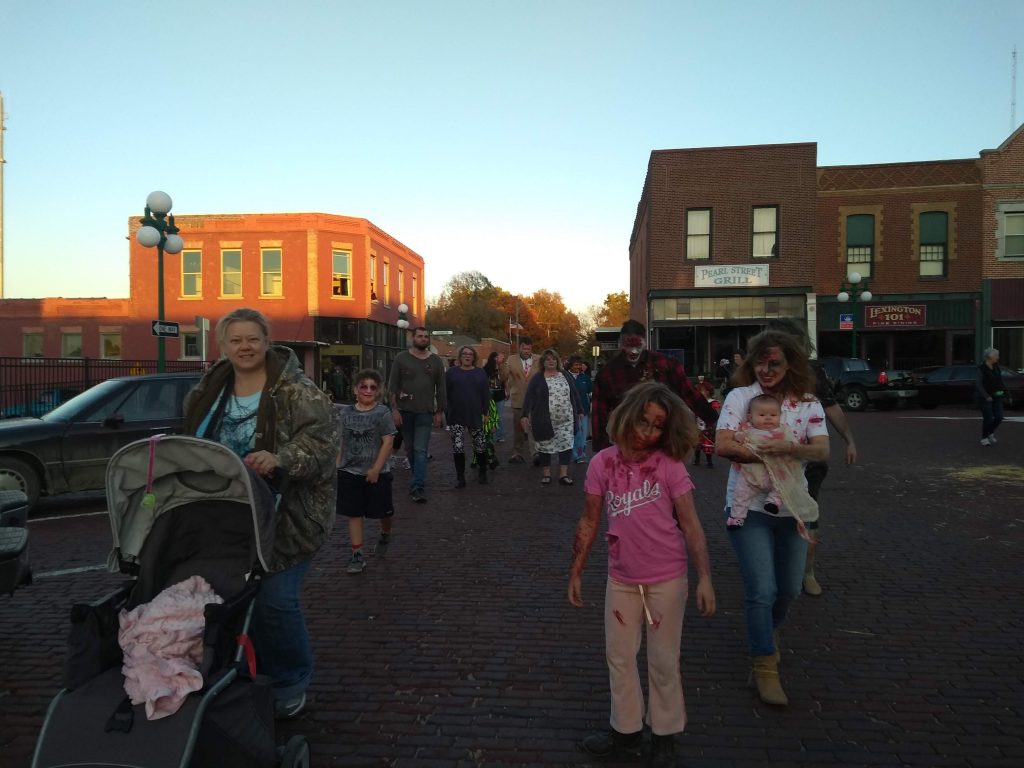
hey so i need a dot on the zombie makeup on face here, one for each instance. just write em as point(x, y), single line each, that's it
point(633, 346)
point(771, 368)
point(649, 429)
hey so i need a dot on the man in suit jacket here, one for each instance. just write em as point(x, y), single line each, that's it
point(515, 373)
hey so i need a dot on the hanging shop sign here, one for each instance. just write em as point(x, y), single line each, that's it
point(730, 275)
point(895, 315)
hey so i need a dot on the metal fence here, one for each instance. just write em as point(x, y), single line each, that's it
point(30, 386)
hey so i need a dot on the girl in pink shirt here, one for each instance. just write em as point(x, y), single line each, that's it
point(642, 484)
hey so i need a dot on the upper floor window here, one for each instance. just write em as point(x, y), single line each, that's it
point(1013, 238)
point(71, 344)
point(231, 272)
point(270, 272)
point(415, 297)
point(192, 273)
point(401, 286)
point(765, 237)
point(385, 281)
point(32, 345)
point(933, 245)
point(860, 244)
point(373, 277)
point(698, 233)
point(341, 273)
point(110, 346)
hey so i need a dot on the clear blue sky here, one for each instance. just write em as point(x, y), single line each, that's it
point(507, 137)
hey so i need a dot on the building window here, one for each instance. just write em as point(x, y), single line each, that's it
point(190, 345)
point(698, 234)
point(934, 244)
point(415, 296)
point(385, 281)
point(71, 345)
point(373, 277)
point(860, 244)
point(1013, 239)
point(401, 286)
point(32, 345)
point(765, 239)
point(110, 346)
point(341, 273)
point(192, 273)
point(270, 272)
point(231, 273)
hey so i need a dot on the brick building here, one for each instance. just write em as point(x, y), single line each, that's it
point(727, 238)
point(331, 286)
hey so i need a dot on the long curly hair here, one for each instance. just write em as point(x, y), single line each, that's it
point(679, 433)
point(799, 381)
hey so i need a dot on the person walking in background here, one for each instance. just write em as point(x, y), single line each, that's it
point(364, 466)
point(584, 387)
point(257, 402)
point(516, 373)
point(989, 392)
point(816, 471)
point(492, 368)
point(769, 547)
point(551, 408)
point(632, 364)
point(654, 535)
point(468, 395)
point(417, 388)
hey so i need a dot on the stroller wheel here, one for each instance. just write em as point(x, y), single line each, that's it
point(296, 753)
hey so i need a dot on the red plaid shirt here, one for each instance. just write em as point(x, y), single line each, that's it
point(618, 377)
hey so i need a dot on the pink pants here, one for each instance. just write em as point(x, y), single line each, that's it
point(624, 616)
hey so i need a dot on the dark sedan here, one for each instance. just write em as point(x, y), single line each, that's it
point(67, 449)
point(954, 385)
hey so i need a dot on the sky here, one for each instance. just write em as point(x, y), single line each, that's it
point(510, 138)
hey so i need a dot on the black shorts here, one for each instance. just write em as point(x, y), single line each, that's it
point(815, 473)
point(358, 498)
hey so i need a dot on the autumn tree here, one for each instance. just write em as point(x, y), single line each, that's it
point(612, 314)
point(558, 326)
point(468, 305)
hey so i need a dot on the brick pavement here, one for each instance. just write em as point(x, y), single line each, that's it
point(459, 648)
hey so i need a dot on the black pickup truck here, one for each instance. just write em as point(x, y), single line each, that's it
point(856, 383)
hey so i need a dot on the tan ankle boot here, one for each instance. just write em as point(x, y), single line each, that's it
point(766, 677)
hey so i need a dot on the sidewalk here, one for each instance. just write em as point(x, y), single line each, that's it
point(460, 649)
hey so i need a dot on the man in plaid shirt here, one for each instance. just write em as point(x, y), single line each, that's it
point(635, 363)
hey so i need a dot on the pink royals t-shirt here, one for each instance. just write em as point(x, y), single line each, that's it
point(645, 545)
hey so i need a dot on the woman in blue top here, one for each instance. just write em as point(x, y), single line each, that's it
point(585, 388)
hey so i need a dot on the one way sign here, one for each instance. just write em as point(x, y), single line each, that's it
point(164, 328)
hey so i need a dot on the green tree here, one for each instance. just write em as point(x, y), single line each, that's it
point(468, 304)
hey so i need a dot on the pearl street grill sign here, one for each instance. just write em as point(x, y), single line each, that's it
point(164, 328)
point(895, 315)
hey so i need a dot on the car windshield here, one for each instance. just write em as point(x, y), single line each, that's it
point(82, 403)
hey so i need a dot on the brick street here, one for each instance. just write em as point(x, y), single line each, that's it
point(460, 649)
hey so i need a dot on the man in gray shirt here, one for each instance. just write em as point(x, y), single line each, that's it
point(417, 392)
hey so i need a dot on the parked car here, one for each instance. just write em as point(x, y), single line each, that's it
point(857, 382)
point(67, 449)
point(42, 403)
point(954, 385)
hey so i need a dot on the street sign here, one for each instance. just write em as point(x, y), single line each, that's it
point(846, 322)
point(442, 333)
point(165, 328)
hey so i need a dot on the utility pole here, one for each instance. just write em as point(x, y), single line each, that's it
point(2, 129)
point(1013, 91)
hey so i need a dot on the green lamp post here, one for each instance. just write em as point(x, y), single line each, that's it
point(158, 231)
point(854, 288)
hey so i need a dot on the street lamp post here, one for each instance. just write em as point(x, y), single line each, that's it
point(158, 231)
point(854, 288)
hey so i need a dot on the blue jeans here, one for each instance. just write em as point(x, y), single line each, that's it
point(498, 405)
point(991, 415)
point(772, 557)
point(579, 448)
point(279, 632)
point(416, 429)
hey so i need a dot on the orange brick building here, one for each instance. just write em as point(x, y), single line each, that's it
point(727, 238)
point(331, 286)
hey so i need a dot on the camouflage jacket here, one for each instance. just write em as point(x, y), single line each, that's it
point(297, 423)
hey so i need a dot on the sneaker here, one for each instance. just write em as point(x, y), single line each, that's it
point(992, 439)
point(986, 441)
point(581, 460)
point(611, 742)
point(286, 709)
point(382, 545)
point(356, 564)
point(419, 497)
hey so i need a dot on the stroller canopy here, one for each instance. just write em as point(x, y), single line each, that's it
point(149, 478)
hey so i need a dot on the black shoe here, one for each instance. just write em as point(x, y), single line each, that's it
point(382, 545)
point(611, 742)
point(663, 751)
point(460, 481)
point(419, 497)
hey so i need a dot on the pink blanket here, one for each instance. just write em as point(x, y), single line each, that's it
point(163, 645)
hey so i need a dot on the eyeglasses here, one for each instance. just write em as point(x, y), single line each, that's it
point(369, 387)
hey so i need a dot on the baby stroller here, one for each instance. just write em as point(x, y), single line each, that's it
point(179, 507)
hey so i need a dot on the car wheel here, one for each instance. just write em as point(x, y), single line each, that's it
point(16, 475)
point(855, 399)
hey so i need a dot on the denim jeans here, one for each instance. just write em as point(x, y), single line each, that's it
point(416, 429)
point(498, 405)
point(579, 448)
point(772, 557)
point(991, 415)
point(279, 632)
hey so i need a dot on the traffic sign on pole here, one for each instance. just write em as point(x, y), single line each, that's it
point(163, 328)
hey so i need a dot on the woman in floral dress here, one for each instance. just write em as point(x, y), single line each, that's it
point(551, 409)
